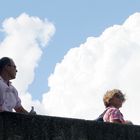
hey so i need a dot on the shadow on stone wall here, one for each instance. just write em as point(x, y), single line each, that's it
point(15, 126)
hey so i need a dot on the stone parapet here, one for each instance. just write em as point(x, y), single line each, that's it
point(16, 126)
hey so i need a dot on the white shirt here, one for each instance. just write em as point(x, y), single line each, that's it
point(9, 99)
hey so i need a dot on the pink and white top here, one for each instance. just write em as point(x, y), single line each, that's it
point(113, 113)
point(9, 99)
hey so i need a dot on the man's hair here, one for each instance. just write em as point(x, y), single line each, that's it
point(3, 62)
point(110, 94)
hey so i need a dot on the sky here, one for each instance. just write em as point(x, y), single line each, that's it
point(69, 53)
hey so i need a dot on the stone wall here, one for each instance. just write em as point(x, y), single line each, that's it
point(15, 126)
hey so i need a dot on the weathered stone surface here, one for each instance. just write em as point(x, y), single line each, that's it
point(15, 126)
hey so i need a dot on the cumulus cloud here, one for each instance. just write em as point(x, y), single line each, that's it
point(86, 72)
point(24, 38)
point(101, 63)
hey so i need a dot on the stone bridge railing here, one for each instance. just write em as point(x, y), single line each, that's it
point(15, 126)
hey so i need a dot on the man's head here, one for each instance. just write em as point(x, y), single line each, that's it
point(7, 68)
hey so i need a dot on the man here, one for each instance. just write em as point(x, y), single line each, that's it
point(9, 98)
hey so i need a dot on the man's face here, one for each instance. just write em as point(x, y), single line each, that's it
point(11, 70)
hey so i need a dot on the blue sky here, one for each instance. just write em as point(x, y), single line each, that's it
point(74, 22)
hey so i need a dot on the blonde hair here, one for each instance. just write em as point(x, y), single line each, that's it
point(110, 94)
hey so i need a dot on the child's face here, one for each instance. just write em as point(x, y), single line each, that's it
point(117, 101)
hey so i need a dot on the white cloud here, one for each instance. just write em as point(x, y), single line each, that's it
point(101, 63)
point(86, 72)
point(24, 38)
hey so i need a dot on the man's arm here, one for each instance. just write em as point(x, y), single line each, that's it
point(21, 110)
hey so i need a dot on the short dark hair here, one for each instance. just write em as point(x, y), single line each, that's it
point(3, 62)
